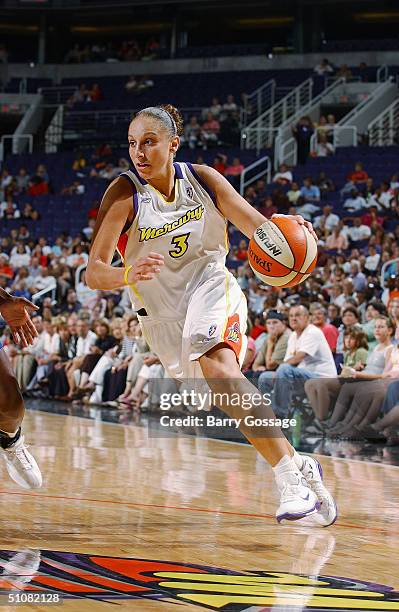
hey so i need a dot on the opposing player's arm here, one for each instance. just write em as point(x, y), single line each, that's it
point(116, 209)
point(233, 206)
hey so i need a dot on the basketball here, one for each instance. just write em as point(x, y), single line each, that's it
point(282, 253)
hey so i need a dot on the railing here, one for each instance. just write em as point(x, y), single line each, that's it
point(338, 131)
point(384, 129)
point(287, 153)
point(384, 267)
point(359, 107)
point(266, 171)
point(111, 124)
point(279, 113)
point(57, 95)
point(330, 80)
point(285, 144)
point(14, 143)
point(52, 289)
point(382, 73)
point(261, 137)
point(258, 101)
point(54, 133)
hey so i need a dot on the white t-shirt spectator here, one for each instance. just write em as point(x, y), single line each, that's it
point(355, 203)
point(312, 341)
point(85, 295)
point(286, 176)
point(331, 221)
point(83, 344)
point(19, 259)
point(74, 258)
point(44, 282)
point(371, 263)
point(358, 233)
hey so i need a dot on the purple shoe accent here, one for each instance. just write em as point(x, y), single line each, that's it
point(295, 517)
point(336, 515)
point(320, 469)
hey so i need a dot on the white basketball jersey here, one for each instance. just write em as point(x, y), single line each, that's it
point(189, 232)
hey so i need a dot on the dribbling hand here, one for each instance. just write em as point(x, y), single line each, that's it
point(15, 312)
point(146, 268)
point(301, 221)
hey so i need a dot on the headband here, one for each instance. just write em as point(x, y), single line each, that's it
point(160, 113)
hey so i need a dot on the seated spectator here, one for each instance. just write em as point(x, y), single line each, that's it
point(215, 109)
point(283, 176)
point(77, 188)
point(294, 193)
point(337, 240)
point(308, 356)
point(210, 131)
point(104, 342)
point(319, 319)
point(44, 280)
point(220, 164)
point(327, 219)
point(372, 219)
point(382, 197)
point(131, 84)
point(324, 148)
point(6, 271)
point(323, 392)
point(358, 175)
point(10, 211)
point(6, 181)
point(324, 183)
point(310, 192)
point(192, 133)
point(22, 181)
point(230, 105)
point(355, 201)
point(20, 256)
point(267, 208)
point(352, 401)
point(358, 231)
point(359, 279)
point(372, 260)
point(242, 252)
point(30, 213)
point(94, 94)
point(344, 72)
point(324, 68)
point(274, 348)
point(39, 182)
point(234, 171)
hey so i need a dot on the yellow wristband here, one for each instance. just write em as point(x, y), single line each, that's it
point(126, 275)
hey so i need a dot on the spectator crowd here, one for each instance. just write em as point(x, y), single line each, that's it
point(326, 347)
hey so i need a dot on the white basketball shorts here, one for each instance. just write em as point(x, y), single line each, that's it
point(216, 313)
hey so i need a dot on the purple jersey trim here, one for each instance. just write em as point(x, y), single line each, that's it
point(135, 203)
point(178, 171)
point(202, 183)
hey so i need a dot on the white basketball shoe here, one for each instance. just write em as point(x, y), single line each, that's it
point(21, 465)
point(313, 473)
point(297, 500)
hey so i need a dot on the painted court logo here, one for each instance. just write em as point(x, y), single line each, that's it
point(111, 579)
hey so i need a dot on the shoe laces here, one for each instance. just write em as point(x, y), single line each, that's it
point(19, 451)
point(289, 487)
point(316, 482)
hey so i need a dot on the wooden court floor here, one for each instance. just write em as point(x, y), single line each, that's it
point(186, 523)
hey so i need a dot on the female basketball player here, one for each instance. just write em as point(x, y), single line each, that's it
point(20, 464)
point(169, 222)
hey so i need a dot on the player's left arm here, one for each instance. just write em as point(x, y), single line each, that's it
point(15, 312)
point(234, 207)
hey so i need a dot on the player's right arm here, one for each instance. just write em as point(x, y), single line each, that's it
point(115, 211)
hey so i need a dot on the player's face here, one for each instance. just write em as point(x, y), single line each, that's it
point(150, 147)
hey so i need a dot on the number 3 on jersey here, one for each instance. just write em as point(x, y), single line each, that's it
point(181, 245)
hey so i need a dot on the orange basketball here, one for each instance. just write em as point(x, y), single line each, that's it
point(282, 253)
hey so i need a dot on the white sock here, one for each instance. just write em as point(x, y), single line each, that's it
point(285, 465)
point(298, 460)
